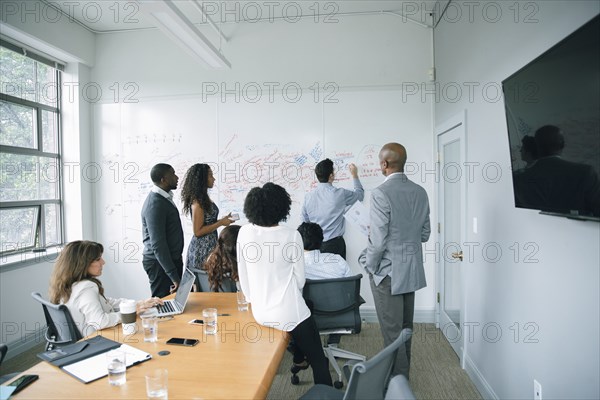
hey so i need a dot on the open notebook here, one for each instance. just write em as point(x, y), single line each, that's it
point(90, 369)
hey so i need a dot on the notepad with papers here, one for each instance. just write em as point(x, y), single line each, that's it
point(93, 368)
point(86, 360)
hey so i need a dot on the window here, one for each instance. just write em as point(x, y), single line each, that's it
point(30, 181)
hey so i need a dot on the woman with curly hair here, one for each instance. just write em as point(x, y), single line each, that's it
point(194, 194)
point(221, 264)
point(75, 283)
point(271, 272)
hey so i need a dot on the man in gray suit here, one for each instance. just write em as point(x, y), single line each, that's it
point(399, 223)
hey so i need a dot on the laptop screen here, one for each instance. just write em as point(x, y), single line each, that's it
point(185, 286)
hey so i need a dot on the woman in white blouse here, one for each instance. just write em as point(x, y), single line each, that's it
point(75, 283)
point(271, 273)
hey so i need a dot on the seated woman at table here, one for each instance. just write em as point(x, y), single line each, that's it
point(75, 283)
point(221, 264)
point(271, 272)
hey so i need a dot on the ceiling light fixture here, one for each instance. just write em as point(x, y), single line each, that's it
point(182, 31)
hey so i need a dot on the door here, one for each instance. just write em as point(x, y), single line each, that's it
point(451, 228)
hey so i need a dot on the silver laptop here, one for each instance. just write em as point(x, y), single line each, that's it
point(177, 305)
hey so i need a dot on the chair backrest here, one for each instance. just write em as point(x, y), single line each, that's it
point(61, 329)
point(369, 378)
point(227, 285)
point(335, 302)
point(3, 350)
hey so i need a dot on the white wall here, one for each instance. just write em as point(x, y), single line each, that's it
point(31, 24)
point(367, 54)
point(38, 25)
point(558, 293)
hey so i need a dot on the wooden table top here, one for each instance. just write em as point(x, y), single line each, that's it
point(240, 362)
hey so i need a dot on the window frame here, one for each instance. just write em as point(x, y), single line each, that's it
point(39, 240)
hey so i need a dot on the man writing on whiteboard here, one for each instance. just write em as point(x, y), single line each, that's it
point(162, 233)
point(399, 223)
point(326, 205)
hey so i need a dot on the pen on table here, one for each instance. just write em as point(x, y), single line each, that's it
point(223, 315)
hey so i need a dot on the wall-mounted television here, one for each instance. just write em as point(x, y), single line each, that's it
point(553, 116)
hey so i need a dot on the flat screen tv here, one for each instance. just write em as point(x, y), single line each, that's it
point(553, 115)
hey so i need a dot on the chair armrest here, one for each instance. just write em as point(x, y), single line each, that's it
point(52, 340)
point(347, 368)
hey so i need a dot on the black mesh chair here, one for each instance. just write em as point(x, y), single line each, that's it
point(6, 377)
point(60, 327)
point(368, 379)
point(335, 307)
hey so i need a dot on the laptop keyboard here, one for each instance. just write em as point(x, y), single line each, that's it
point(166, 307)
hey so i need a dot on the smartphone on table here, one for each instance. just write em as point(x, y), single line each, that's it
point(183, 341)
point(22, 382)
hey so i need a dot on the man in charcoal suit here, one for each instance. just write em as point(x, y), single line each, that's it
point(162, 233)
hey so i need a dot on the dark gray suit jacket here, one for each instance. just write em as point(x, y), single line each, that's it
point(162, 233)
point(399, 224)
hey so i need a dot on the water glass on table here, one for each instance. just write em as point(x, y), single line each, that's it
point(150, 326)
point(210, 321)
point(117, 367)
point(242, 302)
point(157, 384)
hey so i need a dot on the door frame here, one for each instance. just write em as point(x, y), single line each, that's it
point(455, 123)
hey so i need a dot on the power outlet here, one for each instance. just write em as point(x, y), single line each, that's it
point(537, 390)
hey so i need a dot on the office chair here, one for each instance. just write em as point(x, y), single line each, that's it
point(335, 307)
point(60, 327)
point(228, 285)
point(6, 377)
point(367, 379)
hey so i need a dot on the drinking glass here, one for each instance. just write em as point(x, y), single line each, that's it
point(210, 321)
point(157, 387)
point(116, 365)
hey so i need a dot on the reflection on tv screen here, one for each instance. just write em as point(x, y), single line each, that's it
point(553, 117)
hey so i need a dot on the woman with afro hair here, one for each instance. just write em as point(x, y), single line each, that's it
point(271, 273)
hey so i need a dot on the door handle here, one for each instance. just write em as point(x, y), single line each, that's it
point(458, 255)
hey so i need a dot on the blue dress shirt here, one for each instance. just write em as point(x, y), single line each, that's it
point(327, 204)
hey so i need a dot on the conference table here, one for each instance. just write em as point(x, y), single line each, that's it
point(239, 362)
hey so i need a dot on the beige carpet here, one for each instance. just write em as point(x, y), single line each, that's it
point(435, 371)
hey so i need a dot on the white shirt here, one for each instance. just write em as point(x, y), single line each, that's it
point(89, 310)
point(271, 271)
point(319, 265)
point(167, 195)
point(392, 174)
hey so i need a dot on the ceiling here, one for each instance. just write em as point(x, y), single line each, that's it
point(119, 15)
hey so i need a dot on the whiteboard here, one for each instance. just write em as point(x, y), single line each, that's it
point(247, 143)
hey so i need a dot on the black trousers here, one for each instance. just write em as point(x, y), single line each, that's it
point(306, 343)
point(160, 283)
point(337, 245)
